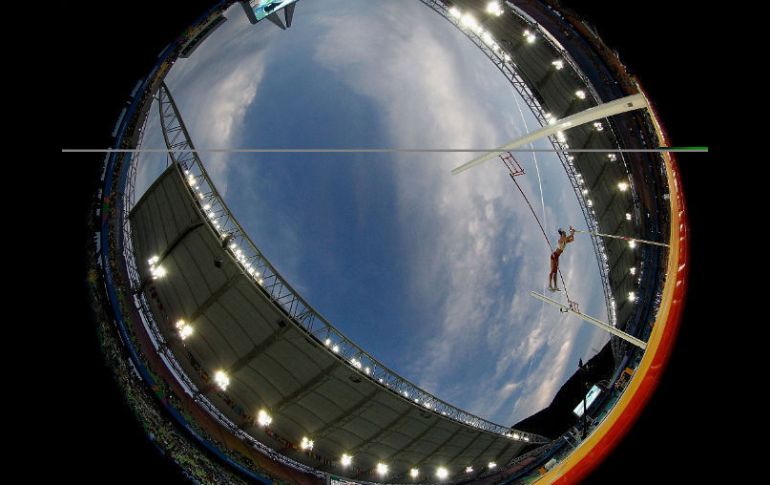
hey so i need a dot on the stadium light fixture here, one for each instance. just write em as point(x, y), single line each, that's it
point(492, 465)
point(185, 332)
point(468, 469)
point(622, 186)
point(632, 244)
point(493, 8)
point(526, 438)
point(632, 270)
point(561, 137)
point(367, 370)
point(414, 473)
point(628, 216)
point(306, 443)
point(455, 12)
point(328, 342)
point(336, 349)
point(515, 436)
point(184, 329)
point(346, 460)
point(631, 296)
point(529, 36)
point(507, 58)
point(590, 203)
point(558, 64)
point(382, 469)
point(221, 380)
point(469, 22)
point(263, 418)
point(612, 157)
point(580, 94)
point(442, 473)
point(158, 272)
point(585, 191)
point(598, 125)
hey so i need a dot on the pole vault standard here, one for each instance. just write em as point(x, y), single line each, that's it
point(622, 105)
point(624, 238)
point(609, 328)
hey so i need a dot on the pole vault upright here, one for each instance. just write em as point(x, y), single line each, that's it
point(604, 326)
point(621, 105)
point(624, 238)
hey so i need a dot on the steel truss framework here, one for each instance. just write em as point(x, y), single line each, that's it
point(508, 67)
point(253, 263)
point(159, 342)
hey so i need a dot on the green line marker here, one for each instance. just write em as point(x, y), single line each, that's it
point(686, 149)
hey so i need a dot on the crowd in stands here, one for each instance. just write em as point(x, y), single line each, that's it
point(147, 403)
point(198, 467)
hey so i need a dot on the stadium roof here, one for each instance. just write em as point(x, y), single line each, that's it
point(276, 365)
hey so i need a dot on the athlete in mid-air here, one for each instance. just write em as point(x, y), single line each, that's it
point(563, 241)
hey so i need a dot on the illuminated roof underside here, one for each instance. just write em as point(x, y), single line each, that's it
point(273, 363)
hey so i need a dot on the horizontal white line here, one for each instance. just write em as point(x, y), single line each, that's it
point(377, 150)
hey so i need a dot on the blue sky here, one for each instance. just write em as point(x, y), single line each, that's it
point(428, 272)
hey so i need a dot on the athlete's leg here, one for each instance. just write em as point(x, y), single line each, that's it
point(555, 269)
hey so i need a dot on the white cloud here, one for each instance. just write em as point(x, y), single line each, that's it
point(215, 87)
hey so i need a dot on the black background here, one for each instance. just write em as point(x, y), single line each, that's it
point(105, 47)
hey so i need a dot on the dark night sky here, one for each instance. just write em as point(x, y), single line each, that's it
point(103, 54)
